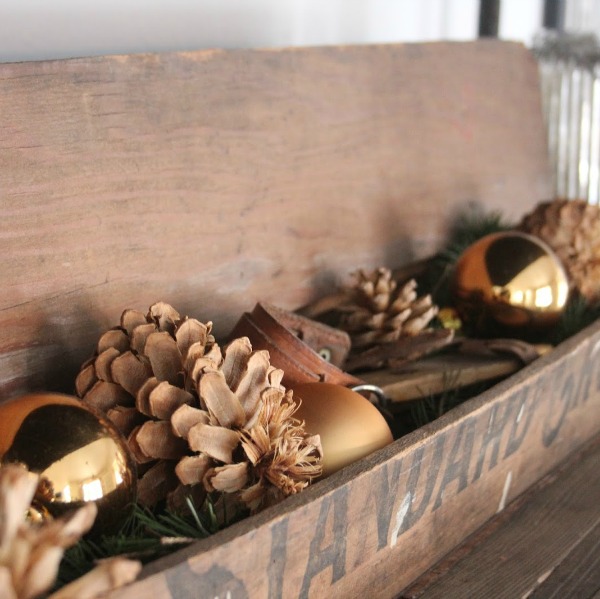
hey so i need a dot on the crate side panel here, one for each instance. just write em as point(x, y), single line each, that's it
point(379, 524)
point(215, 179)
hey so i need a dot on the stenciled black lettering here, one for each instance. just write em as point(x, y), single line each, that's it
point(521, 422)
point(566, 397)
point(586, 374)
point(491, 438)
point(384, 500)
point(278, 558)
point(459, 459)
point(415, 487)
point(334, 554)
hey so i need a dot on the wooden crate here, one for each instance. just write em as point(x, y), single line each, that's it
point(216, 179)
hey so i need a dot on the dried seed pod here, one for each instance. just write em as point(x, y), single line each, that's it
point(244, 437)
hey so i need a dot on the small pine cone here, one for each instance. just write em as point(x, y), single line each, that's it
point(572, 229)
point(377, 311)
point(139, 376)
point(243, 437)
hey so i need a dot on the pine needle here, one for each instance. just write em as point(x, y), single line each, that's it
point(467, 229)
point(578, 314)
point(146, 536)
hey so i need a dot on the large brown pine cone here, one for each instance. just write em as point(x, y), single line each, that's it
point(139, 377)
point(244, 437)
point(378, 311)
point(201, 418)
point(572, 229)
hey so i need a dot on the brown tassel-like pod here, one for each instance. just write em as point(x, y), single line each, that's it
point(245, 440)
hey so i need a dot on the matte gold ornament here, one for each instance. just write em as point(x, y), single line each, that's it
point(510, 279)
point(78, 454)
point(349, 425)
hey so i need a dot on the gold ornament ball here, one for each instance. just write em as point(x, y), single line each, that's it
point(79, 455)
point(510, 279)
point(349, 425)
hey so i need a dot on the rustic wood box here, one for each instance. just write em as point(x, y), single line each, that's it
point(216, 179)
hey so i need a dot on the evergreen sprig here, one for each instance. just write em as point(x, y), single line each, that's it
point(468, 228)
point(147, 535)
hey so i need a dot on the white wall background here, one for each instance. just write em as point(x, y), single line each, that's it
point(42, 29)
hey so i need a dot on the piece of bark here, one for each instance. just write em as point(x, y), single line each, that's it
point(400, 351)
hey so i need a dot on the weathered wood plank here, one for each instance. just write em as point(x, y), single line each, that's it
point(577, 576)
point(433, 375)
point(381, 522)
point(550, 547)
point(216, 179)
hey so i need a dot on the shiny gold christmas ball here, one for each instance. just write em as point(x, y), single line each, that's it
point(350, 426)
point(79, 455)
point(511, 279)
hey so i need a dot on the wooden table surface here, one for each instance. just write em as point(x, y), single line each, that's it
point(546, 544)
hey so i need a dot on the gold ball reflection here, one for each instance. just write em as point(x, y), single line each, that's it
point(78, 453)
point(512, 279)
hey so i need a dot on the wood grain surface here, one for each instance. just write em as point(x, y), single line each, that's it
point(215, 179)
point(549, 547)
point(212, 180)
point(375, 526)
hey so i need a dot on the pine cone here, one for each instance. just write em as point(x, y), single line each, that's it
point(139, 377)
point(377, 311)
point(572, 229)
point(244, 437)
point(31, 553)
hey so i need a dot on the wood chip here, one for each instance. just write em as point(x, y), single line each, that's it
point(41, 571)
point(253, 381)
point(195, 352)
point(139, 456)
point(220, 400)
point(201, 365)
point(166, 398)
point(116, 338)
point(275, 377)
point(155, 439)
point(526, 352)
point(401, 351)
point(192, 331)
point(130, 372)
point(130, 319)
point(108, 575)
point(142, 398)
point(17, 488)
point(103, 362)
point(157, 483)
point(105, 396)
point(85, 379)
point(190, 470)
point(185, 417)
point(140, 334)
point(177, 499)
point(235, 360)
point(228, 479)
point(164, 356)
point(165, 316)
point(216, 441)
point(125, 419)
